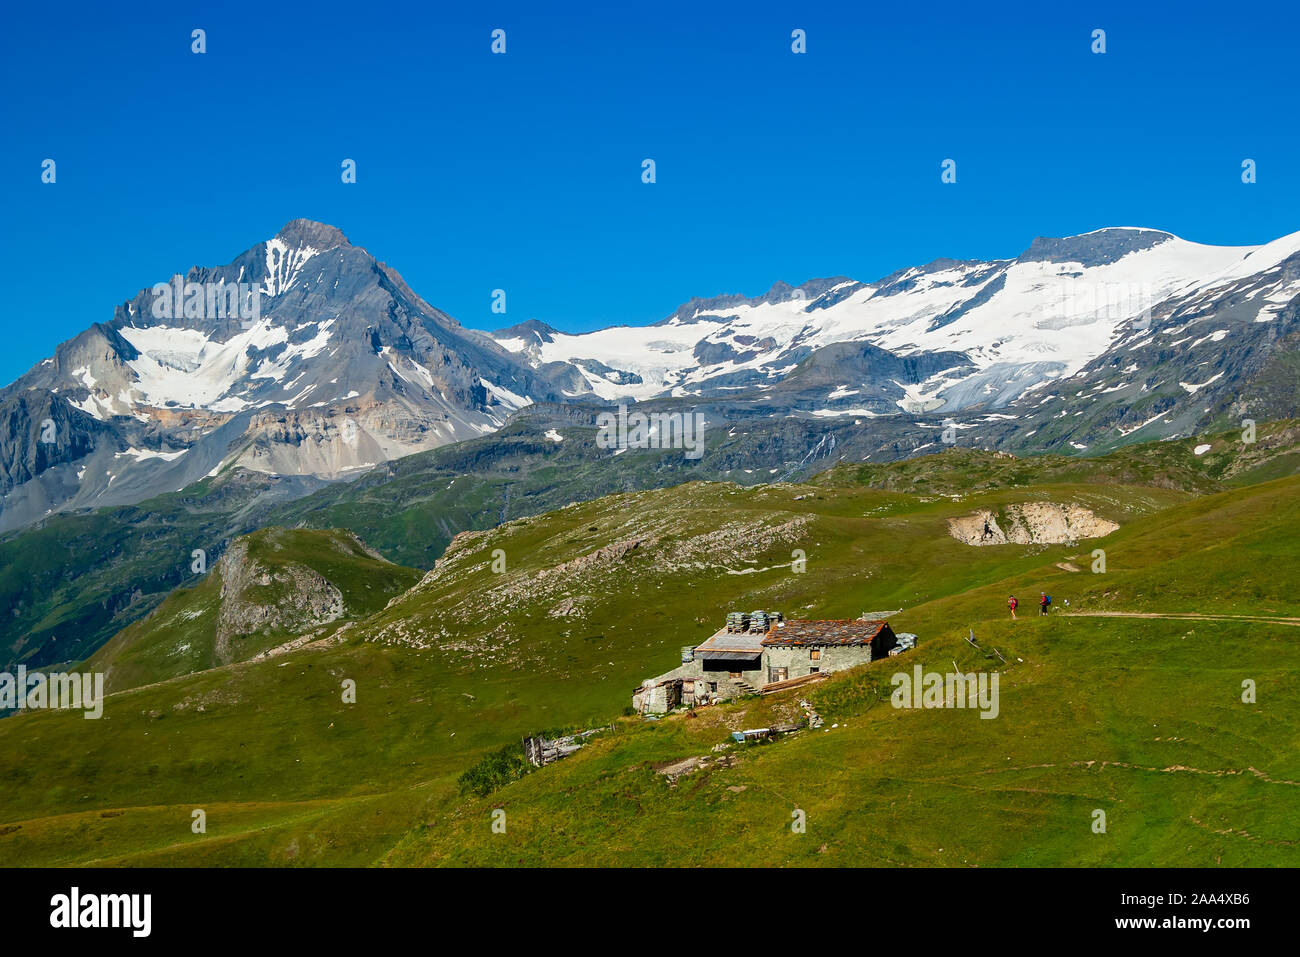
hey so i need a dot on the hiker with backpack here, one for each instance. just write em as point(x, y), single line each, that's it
point(1012, 602)
point(1043, 601)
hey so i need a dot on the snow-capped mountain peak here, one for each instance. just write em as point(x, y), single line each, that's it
point(1005, 326)
point(337, 366)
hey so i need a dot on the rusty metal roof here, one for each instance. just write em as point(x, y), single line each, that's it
point(729, 645)
point(835, 632)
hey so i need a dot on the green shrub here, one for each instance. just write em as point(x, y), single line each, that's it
point(494, 771)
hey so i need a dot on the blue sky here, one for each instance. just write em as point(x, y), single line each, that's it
point(523, 171)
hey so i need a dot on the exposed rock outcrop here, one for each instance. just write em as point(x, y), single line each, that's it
point(1030, 523)
point(254, 597)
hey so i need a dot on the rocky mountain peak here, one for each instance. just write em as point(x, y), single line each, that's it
point(298, 233)
point(1098, 248)
point(530, 330)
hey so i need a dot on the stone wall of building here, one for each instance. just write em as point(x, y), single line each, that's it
point(658, 697)
point(798, 660)
point(717, 685)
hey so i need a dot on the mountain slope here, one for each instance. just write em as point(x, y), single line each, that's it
point(1093, 714)
point(1201, 360)
point(339, 366)
point(73, 581)
point(881, 787)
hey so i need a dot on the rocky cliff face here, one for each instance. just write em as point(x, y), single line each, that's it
point(289, 597)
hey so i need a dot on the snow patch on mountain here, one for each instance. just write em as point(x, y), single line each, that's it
point(505, 397)
point(188, 369)
point(284, 265)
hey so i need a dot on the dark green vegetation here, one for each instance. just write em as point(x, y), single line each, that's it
point(1140, 717)
point(494, 770)
point(73, 581)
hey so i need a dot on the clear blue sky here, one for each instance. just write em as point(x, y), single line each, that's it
point(523, 171)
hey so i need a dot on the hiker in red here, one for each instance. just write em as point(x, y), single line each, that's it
point(1012, 603)
point(1042, 603)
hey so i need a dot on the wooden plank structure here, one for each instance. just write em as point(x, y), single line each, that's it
point(539, 751)
point(772, 687)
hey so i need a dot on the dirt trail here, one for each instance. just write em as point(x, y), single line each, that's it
point(1184, 616)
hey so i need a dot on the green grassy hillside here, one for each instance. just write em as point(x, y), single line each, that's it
point(1224, 461)
point(1124, 717)
point(1140, 717)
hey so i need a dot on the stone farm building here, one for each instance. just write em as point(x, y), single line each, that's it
point(760, 652)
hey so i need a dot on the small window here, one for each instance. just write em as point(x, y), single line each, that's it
point(816, 654)
point(813, 670)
